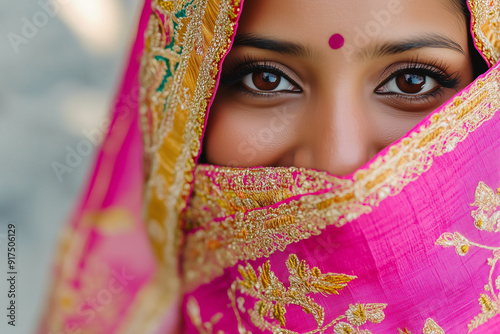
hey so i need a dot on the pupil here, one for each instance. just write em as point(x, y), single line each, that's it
point(269, 77)
point(266, 80)
point(414, 79)
point(410, 83)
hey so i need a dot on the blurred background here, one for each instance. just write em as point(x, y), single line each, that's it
point(61, 62)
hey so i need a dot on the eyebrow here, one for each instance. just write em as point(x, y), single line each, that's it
point(385, 49)
point(426, 41)
point(274, 45)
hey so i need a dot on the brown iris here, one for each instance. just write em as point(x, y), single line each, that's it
point(266, 80)
point(410, 83)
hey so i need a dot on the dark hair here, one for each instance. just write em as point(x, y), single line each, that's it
point(462, 5)
point(478, 63)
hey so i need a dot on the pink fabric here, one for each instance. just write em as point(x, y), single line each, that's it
point(111, 266)
point(393, 253)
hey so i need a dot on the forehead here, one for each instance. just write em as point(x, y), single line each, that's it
point(313, 22)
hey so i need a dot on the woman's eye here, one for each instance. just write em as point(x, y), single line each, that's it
point(266, 82)
point(409, 84)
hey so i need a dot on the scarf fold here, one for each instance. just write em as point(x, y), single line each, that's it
point(408, 243)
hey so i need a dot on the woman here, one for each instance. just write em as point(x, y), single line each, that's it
point(399, 62)
point(360, 220)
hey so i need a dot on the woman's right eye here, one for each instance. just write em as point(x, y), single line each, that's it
point(412, 84)
point(267, 82)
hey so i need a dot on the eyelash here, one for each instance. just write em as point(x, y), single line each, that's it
point(436, 70)
point(236, 70)
point(239, 68)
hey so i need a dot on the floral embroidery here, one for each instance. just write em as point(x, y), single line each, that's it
point(431, 327)
point(273, 298)
point(242, 226)
point(486, 218)
point(456, 240)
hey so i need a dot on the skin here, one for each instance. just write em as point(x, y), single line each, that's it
point(340, 107)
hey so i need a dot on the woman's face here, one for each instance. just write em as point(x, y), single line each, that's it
point(288, 97)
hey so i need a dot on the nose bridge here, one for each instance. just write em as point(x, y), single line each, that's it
point(340, 142)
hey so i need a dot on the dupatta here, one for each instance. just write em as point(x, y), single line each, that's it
point(408, 243)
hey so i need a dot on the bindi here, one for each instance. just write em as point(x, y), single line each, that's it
point(336, 41)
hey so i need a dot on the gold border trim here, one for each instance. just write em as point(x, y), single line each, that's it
point(201, 41)
point(261, 232)
point(485, 23)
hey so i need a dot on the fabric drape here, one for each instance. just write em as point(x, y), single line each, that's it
point(408, 243)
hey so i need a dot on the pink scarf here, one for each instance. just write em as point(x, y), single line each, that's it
point(407, 243)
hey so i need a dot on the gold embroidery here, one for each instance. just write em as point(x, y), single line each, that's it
point(431, 327)
point(225, 191)
point(64, 298)
point(273, 298)
point(193, 309)
point(223, 216)
point(109, 221)
point(161, 114)
point(184, 43)
point(485, 22)
point(486, 218)
point(166, 5)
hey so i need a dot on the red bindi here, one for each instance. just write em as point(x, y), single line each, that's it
point(336, 41)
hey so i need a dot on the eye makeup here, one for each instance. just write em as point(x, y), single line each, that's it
point(435, 70)
point(421, 75)
point(236, 70)
point(423, 80)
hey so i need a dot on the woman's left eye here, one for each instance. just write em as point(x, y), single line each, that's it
point(267, 82)
point(409, 84)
